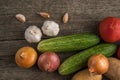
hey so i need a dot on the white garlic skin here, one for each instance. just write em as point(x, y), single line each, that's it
point(21, 17)
point(33, 34)
point(50, 28)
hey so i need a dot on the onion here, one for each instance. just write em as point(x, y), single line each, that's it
point(48, 61)
point(98, 64)
point(26, 57)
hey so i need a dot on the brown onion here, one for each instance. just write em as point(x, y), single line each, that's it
point(26, 57)
point(98, 64)
point(48, 61)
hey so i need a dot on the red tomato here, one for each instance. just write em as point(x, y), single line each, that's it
point(110, 29)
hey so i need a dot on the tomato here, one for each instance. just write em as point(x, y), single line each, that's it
point(109, 29)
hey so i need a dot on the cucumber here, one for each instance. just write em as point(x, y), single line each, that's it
point(79, 61)
point(68, 43)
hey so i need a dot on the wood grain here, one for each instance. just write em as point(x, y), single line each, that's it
point(85, 16)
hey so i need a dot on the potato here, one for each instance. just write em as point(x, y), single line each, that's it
point(85, 75)
point(114, 69)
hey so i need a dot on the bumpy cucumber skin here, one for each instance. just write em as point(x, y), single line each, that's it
point(79, 61)
point(68, 43)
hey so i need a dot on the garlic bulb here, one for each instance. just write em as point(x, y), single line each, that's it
point(50, 28)
point(33, 34)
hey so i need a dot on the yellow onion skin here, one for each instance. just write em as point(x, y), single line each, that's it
point(48, 61)
point(98, 64)
point(26, 57)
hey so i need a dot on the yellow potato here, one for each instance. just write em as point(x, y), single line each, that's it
point(85, 75)
point(114, 69)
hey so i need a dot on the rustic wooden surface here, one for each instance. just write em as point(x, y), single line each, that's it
point(85, 16)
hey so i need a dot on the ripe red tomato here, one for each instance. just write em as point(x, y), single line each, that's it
point(110, 29)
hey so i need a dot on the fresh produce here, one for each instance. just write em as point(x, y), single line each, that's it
point(33, 34)
point(86, 75)
point(44, 14)
point(98, 64)
point(20, 17)
point(114, 69)
point(110, 29)
point(50, 28)
point(48, 61)
point(79, 60)
point(118, 53)
point(26, 57)
point(68, 43)
point(65, 18)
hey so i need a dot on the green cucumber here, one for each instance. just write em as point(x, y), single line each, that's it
point(68, 43)
point(79, 61)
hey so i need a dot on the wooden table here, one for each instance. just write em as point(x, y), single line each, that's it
point(85, 16)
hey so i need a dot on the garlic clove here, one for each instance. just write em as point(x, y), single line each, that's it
point(65, 18)
point(44, 14)
point(21, 18)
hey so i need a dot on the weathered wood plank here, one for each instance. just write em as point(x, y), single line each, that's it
point(16, 31)
point(16, 3)
point(10, 47)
